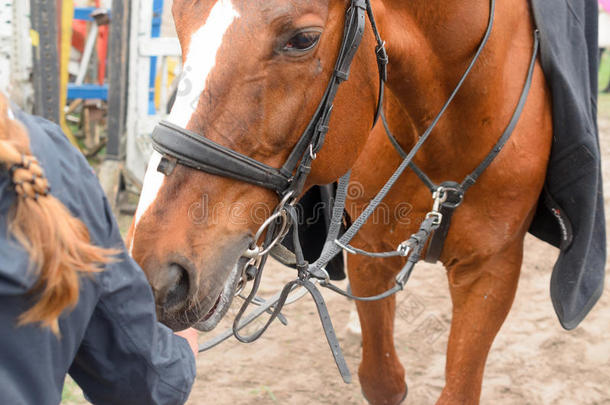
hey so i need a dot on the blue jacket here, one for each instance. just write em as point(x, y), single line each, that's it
point(111, 343)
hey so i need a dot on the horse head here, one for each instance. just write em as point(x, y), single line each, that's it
point(254, 74)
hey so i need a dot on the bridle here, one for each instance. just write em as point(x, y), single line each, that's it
point(180, 146)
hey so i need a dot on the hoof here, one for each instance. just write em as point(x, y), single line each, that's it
point(404, 397)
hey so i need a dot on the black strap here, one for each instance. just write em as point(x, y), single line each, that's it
point(416, 243)
point(329, 330)
point(382, 62)
point(314, 136)
point(265, 307)
point(193, 150)
point(472, 178)
point(419, 172)
point(454, 195)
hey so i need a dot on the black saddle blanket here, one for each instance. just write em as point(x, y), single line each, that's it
point(570, 213)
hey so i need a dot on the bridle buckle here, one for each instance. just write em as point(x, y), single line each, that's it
point(404, 249)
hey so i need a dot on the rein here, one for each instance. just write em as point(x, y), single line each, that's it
point(180, 146)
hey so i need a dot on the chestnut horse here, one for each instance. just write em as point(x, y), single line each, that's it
point(254, 74)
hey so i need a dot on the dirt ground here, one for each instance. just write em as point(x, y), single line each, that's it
point(533, 360)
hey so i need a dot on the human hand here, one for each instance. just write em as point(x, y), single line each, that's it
point(191, 336)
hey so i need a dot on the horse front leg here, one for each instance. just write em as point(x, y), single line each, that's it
point(381, 375)
point(482, 293)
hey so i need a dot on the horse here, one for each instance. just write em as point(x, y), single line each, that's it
point(254, 73)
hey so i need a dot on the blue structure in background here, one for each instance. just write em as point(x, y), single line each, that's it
point(83, 13)
point(86, 91)
point(155, 33)
point(94, 91)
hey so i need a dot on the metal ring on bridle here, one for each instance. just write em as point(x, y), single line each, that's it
point(280, 213)
point(283, 215)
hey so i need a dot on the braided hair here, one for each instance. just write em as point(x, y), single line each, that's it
point(59, 246)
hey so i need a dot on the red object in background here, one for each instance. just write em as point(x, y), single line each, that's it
point(102, 53)
point(80, 30)
point(102, 49)
point(79, 35)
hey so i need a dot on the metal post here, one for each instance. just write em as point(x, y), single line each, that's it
point(118, 61)
point(46, 58)
point(111, 171)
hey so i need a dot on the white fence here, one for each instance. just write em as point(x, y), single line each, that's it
point(16, 52)
point(140, 122)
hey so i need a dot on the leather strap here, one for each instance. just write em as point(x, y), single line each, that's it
point(472, 178)
point(454, 198)
point(197, 152)
point(329, 330)
point(419, 172)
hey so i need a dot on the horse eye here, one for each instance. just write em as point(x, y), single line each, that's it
point(302, 42)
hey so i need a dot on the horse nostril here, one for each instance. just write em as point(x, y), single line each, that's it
point(178, 285)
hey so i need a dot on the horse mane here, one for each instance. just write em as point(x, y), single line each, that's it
point(58, 244)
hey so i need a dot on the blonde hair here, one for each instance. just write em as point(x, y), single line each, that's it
point(58, 244)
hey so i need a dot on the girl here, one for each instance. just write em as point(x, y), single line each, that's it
point(71, 299)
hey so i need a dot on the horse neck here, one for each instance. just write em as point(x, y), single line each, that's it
point(430, 44)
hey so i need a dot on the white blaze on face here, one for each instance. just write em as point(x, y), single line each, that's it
point(201, 59)
point(153, 180)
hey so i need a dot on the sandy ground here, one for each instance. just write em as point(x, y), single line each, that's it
point(533, 360)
